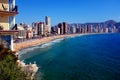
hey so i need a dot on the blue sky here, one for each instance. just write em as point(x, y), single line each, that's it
point(71, 11)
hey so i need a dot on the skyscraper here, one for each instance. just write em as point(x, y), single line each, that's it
point(35, 26)
point(65, 28)
point(60, 25)
point(41, 28)
point(73, 29)
point(48, 23)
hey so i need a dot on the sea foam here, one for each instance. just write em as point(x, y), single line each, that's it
point(39, 46)
point(51, 43)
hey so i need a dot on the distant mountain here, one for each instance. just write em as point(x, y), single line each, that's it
point(108, 23)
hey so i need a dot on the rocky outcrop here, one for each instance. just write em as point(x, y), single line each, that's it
point(29, 69)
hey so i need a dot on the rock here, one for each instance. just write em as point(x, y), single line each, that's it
point(29, 69)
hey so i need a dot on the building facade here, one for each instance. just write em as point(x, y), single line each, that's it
point(63, 28)
point(8, 10)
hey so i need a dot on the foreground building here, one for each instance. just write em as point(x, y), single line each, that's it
point(8, 10)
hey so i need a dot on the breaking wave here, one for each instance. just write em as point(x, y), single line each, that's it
point(51, 43)
point(39, 46)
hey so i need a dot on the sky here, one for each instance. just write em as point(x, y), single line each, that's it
point(70, 11)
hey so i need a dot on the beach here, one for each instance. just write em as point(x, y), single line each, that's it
point(25, 44)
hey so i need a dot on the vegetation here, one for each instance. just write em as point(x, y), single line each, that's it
point(9, 70)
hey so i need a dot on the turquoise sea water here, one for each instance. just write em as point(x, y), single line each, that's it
point(89, 57)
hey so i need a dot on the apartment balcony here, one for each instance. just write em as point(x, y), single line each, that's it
point(10, 32)
point(6, 11)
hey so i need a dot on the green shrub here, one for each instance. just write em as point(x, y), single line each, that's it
point(9, 69)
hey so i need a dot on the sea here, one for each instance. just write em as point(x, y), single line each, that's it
point(86, 57)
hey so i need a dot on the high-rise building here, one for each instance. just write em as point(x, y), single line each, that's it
point(60, 25)
point(91, 28)
point(8, 10)
point(35, 26)
point(58, 31)
point(48, 23)
point(70, 29)
point(88, 28)
point(114, 29)
point(65, 28)
point(40, 29)
point(80, 29)
point(106, 29)
point(73, 29)
point(41, 26)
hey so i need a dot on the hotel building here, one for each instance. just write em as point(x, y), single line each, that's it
point(8, 10)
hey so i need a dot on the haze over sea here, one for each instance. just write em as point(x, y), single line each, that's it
point(88, 57)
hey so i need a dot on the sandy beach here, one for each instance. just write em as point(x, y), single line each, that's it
point(26, 44)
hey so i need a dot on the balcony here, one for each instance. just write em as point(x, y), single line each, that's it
point(6, 11)
point(14, 27)
point(6, 32)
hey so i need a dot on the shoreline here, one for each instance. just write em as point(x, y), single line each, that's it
point(26, 44)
